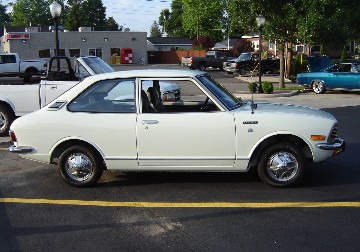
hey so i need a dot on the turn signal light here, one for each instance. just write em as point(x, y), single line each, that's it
point(317, 137)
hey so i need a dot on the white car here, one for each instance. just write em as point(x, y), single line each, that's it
point(110, 121)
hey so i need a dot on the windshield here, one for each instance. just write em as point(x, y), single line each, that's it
point(98, 65)
point(245, 56)
point(220, 92)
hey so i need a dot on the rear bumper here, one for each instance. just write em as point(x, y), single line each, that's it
point(20, 149)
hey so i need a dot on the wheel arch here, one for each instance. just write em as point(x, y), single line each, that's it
point(62, 146)
point(9, 106)
point(280, 138)
point(31, 69)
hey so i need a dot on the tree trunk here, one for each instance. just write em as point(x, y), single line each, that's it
point(282, 65)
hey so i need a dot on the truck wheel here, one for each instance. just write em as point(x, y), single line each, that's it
point(79, 166)
point(6, 118)
point(282, 165)
point(202, 67)
point(273, 70)
point(319, 87)
point(242, 71)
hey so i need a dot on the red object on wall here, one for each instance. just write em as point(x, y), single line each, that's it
point(126, 56)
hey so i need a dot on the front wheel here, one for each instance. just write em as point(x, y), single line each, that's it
point(319, 87)
point(282, 165)
point(6, 118)
point(80, 167)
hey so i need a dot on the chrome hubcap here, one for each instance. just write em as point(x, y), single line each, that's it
point(79, 167)
point(317, 87)
point(282, 166)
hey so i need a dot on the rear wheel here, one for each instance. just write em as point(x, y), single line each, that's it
point(6, 118)
point(319, 87)
point(80, 167)
point(282, 165)
point(202, 67)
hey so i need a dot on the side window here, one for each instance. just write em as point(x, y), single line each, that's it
point(174, 96)
point(107, 96)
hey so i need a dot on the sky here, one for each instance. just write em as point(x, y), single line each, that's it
point(137, 15)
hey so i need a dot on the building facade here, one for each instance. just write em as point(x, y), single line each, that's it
point(39, 42)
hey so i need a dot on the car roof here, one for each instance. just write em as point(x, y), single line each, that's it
point(150, 73)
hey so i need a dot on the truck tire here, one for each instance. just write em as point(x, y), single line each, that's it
point(6, 118)
point(242, 71)
point(202, 67)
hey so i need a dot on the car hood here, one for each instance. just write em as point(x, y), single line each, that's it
point(287, 109)
point(317, 64)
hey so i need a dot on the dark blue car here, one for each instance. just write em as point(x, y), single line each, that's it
point(340, 76)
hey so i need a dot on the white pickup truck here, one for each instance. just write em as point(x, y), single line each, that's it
point(20, 99)
point(11, 65)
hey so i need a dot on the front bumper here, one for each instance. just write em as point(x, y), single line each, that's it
point(20, 149)
point(337, 146)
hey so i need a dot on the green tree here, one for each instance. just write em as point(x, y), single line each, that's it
point(75, 15)
point(164, 20)
point(4, 17)
point(32, 12)
point(203, 18)
point(155, 30)
point(112, 25)
point(95, 14)
point(86, 13)
point(174, 27)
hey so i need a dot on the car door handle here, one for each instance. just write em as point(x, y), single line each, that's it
point(54, 87)
point(150, 122)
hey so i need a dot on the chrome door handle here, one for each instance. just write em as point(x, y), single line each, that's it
point(150, 122)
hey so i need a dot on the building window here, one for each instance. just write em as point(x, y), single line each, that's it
point(74, 52)
point(61, 52)
point(96, 52)
point(44, 53)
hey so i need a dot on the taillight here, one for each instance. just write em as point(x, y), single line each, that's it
point(12, 136)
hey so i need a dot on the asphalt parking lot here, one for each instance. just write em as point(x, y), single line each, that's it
point(189, 211)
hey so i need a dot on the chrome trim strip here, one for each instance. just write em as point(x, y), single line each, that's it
point(186, 158)
point(20, 149)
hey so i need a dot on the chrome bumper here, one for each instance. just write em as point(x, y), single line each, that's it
point(20, 149)
point(337, 146)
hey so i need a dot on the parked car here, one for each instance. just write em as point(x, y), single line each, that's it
point(249, 62)
point(108, 121)
point(18, 100)
point(340, 76)
point(214, 59)
point(11, 65)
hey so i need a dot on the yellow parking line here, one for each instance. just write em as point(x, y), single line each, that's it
point(183, 204)
point(4, 149)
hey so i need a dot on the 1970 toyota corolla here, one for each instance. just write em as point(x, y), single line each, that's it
point(110, 121)
point(340, 76)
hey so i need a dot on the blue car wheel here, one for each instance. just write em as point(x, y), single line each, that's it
point(319, 87)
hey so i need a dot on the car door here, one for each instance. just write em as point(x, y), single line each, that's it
point(190, 140)
point(50, 90)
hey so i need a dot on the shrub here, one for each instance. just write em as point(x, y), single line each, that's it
point(267, 87)
point(252, 87)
